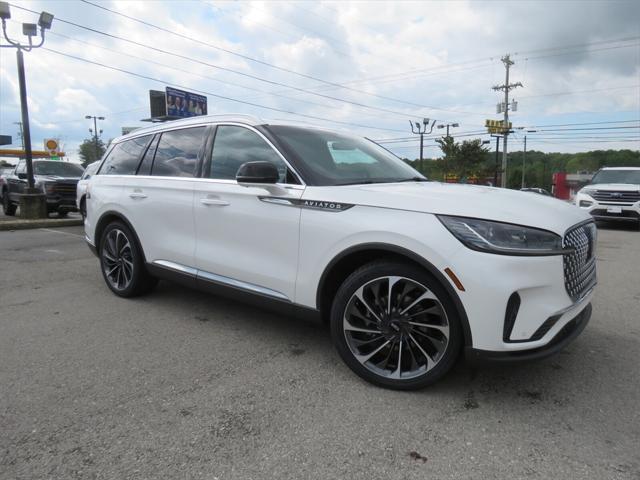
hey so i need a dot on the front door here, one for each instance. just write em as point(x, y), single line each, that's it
point(247, 237)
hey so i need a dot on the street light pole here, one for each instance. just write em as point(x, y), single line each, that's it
point(26, 130)
point(421, 130)
point(33, 203)
point(95, 133)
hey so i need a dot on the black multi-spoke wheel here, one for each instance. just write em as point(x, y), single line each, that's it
point(122, 262)
point(394, 325)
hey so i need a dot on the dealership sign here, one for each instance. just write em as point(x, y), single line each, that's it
point(184, 104)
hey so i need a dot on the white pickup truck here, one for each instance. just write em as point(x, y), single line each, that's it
point(613, 194)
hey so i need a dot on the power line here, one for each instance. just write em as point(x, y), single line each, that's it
point(246, 57)
point(222, 97)
point(584, 123)
point(233, 84)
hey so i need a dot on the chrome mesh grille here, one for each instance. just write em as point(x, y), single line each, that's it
point(580, 266)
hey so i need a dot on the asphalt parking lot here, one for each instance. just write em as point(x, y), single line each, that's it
point(180, 384)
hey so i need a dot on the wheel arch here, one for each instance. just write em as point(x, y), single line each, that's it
point(110, 216)
point(347, 261)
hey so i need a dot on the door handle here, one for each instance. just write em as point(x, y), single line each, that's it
point(137, 195)
point(214, 201)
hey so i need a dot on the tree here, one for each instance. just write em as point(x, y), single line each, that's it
point(90, 151)
point(463, 159)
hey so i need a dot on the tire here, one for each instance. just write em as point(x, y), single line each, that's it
point(8, 208)
point(122, 262)
point(374, 340)
point(83, 208)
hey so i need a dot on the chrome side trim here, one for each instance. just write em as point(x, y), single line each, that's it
point(277, 201)
point(241, 285)
point(177, 267)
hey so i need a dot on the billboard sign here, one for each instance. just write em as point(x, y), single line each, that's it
point(184, 104)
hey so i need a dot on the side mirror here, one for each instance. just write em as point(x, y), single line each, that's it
point(257, 172)
point(22, 176)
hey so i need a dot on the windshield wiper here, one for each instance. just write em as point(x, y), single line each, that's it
point(413, 179)
point(362, 182)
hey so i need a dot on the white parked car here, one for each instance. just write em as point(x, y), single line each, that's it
point(81, 188)
point(407, 272)
point(613, 194)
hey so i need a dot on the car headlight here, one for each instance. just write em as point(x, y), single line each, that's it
point(503, 238)
point(588, 191)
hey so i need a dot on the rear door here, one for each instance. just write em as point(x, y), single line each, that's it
point(247, 236)
point(159, 198)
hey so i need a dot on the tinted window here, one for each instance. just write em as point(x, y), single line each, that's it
point(124, 157)
point(147, 160)
point(59, 169)
point(234, 146)
point(177, 152)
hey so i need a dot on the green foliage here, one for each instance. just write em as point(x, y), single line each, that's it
point(90, 151)
point(539, 166)
point(462, 159)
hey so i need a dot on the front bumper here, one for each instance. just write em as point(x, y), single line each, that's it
point(609, 211)
point(564, 337)
point(55, 203)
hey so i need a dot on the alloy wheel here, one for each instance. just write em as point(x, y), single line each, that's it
point(396, 327)
point(117, 259)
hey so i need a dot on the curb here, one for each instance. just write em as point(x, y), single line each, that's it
point(8, 225)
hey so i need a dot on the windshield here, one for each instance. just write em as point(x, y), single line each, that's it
point(90, 170)
point(331, 158)
point(617, 176)
point(58, 169)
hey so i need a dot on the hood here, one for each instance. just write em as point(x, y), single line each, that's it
point(499, 204)
point(619, 187)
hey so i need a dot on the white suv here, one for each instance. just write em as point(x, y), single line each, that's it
point(613, 194)
point(407, 272)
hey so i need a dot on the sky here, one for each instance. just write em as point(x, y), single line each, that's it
point(364, 67)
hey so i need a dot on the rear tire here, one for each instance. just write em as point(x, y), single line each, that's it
point(8, 208)
point(122, 262)
point(406, 343)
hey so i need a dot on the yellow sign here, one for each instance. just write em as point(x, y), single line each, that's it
point(497, 126)
point(51, 144)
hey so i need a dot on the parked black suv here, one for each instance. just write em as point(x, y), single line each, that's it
point(56, 179)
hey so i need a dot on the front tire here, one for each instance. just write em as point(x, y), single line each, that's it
point(395, 325)
point(8, 208)
point(122, 262)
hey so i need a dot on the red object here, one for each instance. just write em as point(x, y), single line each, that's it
point(560, 187)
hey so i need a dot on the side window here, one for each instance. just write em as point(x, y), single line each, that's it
point(234, 146)
point(177, 152)
point(147, 160)
point(124, 157)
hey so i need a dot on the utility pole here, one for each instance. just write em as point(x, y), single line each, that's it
point(505, 107)
point(95, 133)
point(20, 133)
point(421, 130)
point(495, 172)
point(524, 156)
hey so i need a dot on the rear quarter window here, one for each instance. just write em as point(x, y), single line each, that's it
point(125, 157)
